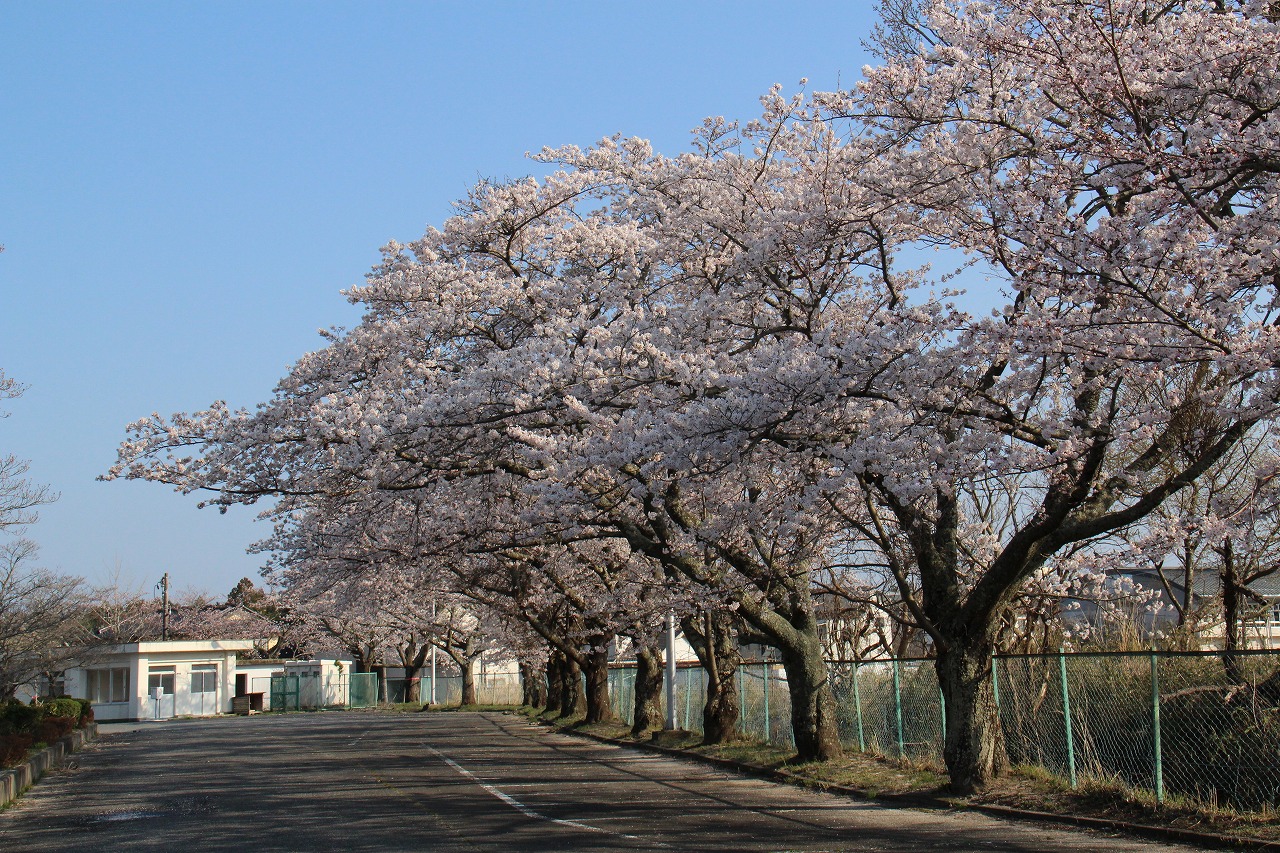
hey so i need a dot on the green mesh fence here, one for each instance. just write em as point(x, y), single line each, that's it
point(363, 690)
point(1188, 725)
point(285, 693)
point(491, 689)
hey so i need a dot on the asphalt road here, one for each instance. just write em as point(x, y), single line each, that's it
point(468, 782)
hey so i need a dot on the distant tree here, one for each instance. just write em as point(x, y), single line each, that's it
point(246, 594)
point(38, 629)
point(19, 497)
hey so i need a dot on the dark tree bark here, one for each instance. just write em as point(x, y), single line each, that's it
point(720, 659)
point(1232, 590)
point(648, 690)
point(974, 747)
point(792, 627)
point(467, 665)
point(813, 706)
point(413, 657)
point(557, 699)
point(571, 682)
point(597, 673)
point(533, 687)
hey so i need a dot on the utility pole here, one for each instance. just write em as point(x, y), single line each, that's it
point(164, 606)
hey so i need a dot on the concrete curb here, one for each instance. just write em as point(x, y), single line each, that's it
point(925, 801)
point(16, 780)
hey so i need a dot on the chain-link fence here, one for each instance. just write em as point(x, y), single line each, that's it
point(1190, 725)
point(492, 688)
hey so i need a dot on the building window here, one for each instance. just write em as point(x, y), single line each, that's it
point(162, 677)
point(204, 678)
point(108, 685)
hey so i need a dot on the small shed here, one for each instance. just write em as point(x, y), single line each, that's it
point(159, 680)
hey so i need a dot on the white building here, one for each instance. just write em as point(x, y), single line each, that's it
point(159, 680)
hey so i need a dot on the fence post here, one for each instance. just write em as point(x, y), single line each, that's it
point(768, 731)
point(742, 701)
point(995, 685)
point(1155, 727)
point(942, 711)
point(688, 688)
point(1066, 715)
point(857, 707)
point(897, 708)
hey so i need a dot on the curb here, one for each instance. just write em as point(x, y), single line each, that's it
point(925, 801)
point(16, 780)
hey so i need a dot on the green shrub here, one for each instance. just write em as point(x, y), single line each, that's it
point(63, 707)
point(17, 718)
point(86, 712)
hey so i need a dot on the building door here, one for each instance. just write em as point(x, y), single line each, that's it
point(161, 678)
point(204, 689)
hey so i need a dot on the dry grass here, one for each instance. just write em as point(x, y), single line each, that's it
point(1024, 788)
point(1033, 789)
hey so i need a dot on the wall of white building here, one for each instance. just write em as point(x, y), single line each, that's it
point(195, 678)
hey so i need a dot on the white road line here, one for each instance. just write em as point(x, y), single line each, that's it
point(519, 806)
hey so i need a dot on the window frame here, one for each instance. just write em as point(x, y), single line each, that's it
point(108, 685)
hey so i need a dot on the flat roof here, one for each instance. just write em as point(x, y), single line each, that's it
point(172, 646)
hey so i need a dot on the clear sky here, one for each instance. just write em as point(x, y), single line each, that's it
point(186, 188)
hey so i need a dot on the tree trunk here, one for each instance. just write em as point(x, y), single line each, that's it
point(572, 687)
point(597, 672)
point(1231, 588)
point(974, 748)
point(467, 665)
point(720, 660)
point(533, 688)
point(556, 699)
point(568, 685)
point(648, 690)
point(813, 705)
point(412, 684)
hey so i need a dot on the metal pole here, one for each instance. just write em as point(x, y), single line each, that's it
point(1066, 716)
point(1155, 727)
point(897, 707)
point(671, 671)
point(857, 707)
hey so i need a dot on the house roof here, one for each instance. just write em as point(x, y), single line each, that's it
point(1205, 584)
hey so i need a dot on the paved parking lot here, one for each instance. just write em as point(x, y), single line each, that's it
point(355, 781)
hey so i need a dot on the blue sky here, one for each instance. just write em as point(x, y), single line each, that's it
point(185, 190)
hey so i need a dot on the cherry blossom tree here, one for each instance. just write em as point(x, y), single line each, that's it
point(1111, 162)
point(720, 362)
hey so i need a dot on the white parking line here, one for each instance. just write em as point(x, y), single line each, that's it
point(519, 806)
